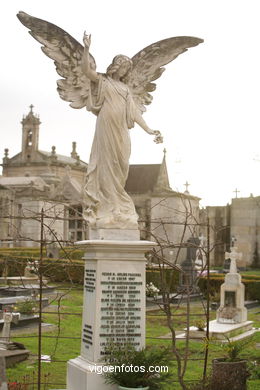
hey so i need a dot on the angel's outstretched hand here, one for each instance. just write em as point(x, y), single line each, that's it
point(86, 39)
point(158, 139)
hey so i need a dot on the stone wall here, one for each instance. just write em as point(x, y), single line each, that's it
point(6, 210)
point(219, 232)
point(245, 228)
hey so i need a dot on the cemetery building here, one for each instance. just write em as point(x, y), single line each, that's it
point(245, 229)
point(236, 224)
point(34, 180)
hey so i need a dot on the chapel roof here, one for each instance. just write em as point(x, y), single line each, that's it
point(142, 178)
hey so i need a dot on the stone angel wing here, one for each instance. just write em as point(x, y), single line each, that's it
point(67, 54)
point(148, 66)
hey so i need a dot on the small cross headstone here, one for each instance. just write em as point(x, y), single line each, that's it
point(232, 293)
point(189, 275)
point(200, 260)
point(7, 317)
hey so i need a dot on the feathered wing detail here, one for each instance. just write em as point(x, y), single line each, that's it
point(148, 66)
point(67, 54)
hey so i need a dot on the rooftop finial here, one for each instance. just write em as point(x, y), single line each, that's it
point(74, 151)
point(6, 159)
point(31, 108)
point(186, 186)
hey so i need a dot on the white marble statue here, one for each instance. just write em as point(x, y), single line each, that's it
point(117, 98)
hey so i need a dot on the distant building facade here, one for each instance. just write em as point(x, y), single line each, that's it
point(236, 224)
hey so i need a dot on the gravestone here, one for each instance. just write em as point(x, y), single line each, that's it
point(114, 306)
point(7, 317)
point(11, 352)
point(200, 260)
point(189, 275)
point(231, 319)
point(232, 294)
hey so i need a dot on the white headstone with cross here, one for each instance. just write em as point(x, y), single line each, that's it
point(232, 293)
point(8, 317)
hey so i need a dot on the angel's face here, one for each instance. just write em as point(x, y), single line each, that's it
point(123, 69)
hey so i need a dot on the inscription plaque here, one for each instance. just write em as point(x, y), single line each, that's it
point(230, 298)
point(120, 308)
point(90, 289)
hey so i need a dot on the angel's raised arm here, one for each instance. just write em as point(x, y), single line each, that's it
point(86, 63)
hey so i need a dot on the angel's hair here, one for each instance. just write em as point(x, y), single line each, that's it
point(117, 62)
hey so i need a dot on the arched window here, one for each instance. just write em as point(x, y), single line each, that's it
point(29, 138)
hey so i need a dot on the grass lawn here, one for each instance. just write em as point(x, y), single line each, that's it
point(63, 343)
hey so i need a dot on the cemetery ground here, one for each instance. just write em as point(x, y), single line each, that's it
point(63, 342)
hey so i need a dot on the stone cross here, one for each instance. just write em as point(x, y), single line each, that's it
point(233, 256)
point(187, 186)
point(6, 328)
point(236, 192)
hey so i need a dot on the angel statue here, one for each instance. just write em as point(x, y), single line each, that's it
point(118, 99)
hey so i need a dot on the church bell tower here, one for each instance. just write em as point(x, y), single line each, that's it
point(30, 139)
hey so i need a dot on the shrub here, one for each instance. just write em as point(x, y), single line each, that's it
point(252, 286)
point(119, 356)
point(26, 307)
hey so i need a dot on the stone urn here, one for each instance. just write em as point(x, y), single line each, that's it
point(228, 375)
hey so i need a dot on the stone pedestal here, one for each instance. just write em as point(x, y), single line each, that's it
point(114, 306)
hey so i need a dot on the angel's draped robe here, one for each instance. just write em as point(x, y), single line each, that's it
point(107, 203)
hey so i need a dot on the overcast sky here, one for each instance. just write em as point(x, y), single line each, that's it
point(206, 103)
